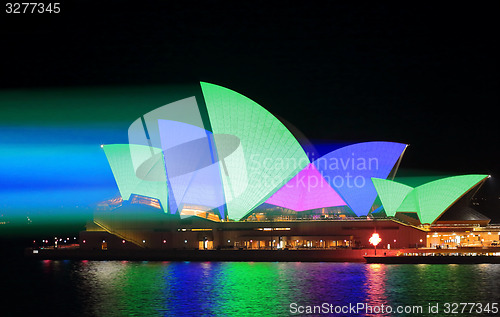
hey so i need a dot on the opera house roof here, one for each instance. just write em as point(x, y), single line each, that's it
point(228, 154)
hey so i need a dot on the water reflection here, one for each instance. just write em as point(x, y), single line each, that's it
point(114, 288)
point(375, 288)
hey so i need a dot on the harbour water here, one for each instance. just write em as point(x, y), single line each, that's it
point(124, 288)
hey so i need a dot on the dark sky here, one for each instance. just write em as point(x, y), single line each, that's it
point(419, 73)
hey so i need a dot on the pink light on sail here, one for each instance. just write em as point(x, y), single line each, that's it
point(306, 190)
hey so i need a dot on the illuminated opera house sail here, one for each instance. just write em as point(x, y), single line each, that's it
point(429, 201)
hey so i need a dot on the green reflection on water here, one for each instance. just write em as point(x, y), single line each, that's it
point(424, 283)
point(251, 288)
point(124, 288)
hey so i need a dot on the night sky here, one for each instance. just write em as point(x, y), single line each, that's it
point(425, 74)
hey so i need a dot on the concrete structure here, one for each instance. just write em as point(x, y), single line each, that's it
point(147, 227)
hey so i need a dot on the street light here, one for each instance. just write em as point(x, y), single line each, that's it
point(375, 239)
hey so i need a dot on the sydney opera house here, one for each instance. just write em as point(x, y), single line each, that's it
point(218, 171)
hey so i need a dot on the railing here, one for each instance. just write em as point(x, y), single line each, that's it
point(116, 233)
